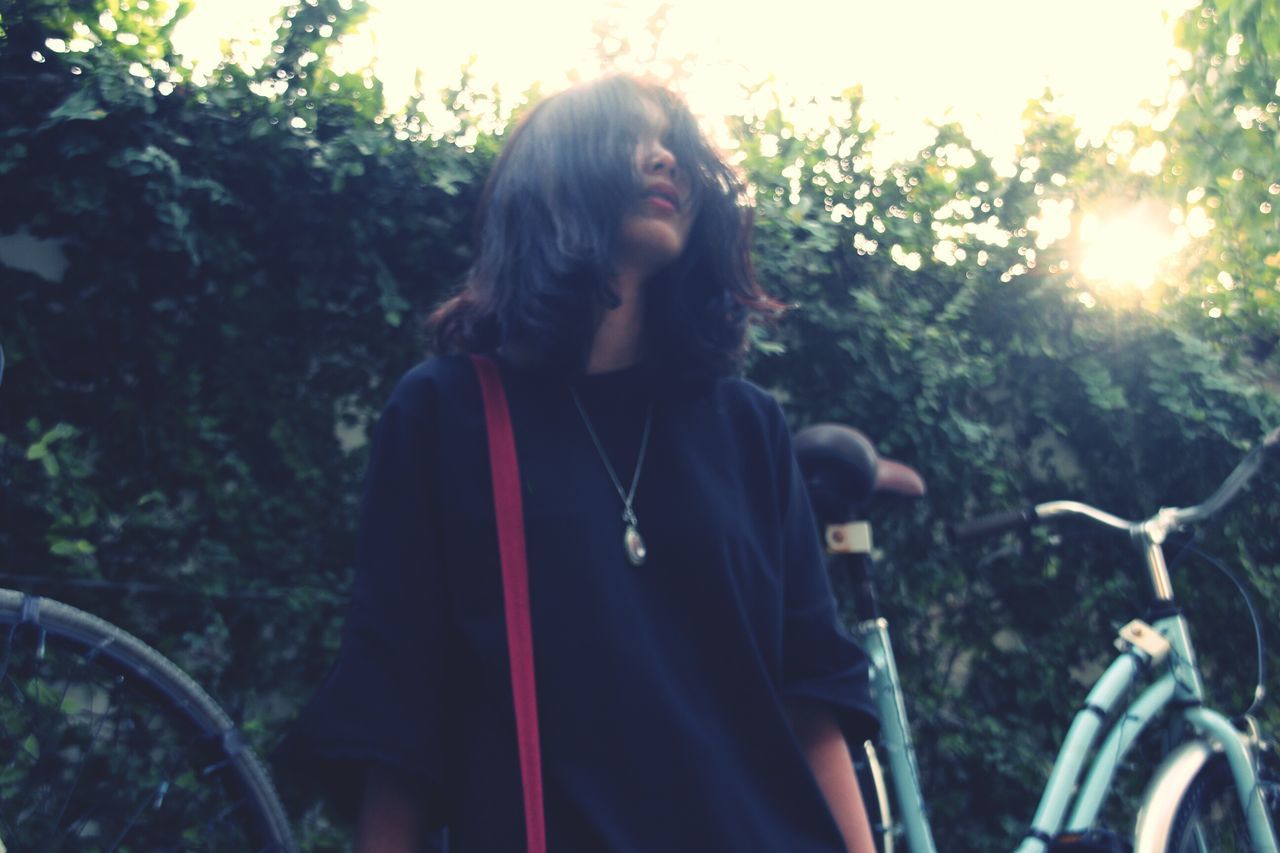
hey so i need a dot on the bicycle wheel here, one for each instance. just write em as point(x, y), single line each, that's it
point(1209, 818)
point(105, 745)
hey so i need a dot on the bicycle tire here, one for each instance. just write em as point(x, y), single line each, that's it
point(108, 746)
point(1209, 817)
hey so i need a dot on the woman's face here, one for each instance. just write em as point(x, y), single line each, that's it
point(655, 232)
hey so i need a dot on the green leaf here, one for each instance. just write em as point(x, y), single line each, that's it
point(71, 547)
point(82, 105)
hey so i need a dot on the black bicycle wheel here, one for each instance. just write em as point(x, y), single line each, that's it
point(1209, 818)
point(105, 745)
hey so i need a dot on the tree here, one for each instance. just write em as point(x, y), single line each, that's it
point(1221, 136)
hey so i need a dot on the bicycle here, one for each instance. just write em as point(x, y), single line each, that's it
point(107, 745)
point(1215, 790)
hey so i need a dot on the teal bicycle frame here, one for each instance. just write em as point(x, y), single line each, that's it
point(1077, 786)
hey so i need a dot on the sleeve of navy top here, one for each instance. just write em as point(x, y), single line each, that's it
point(382, 702)
point(820, 662)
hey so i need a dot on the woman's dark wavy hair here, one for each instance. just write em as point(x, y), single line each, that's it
point(547, 232)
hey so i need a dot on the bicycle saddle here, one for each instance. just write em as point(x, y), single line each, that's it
point(843, 471)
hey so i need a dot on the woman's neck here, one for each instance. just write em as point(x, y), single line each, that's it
point(619, 337)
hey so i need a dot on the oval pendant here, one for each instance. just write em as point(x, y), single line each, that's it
point(634, 545)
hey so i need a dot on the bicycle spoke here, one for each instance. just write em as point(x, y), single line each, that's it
point(133, 819)
point(107, 746)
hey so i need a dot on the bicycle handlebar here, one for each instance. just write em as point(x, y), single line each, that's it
point(1162, 522)
point(1233, 484)
point(996, 522)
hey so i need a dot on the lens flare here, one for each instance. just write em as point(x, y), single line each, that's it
point(1128, 249)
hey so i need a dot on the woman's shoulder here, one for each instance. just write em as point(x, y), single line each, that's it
point(748, 409)
point(434, 382)
point(747, 399)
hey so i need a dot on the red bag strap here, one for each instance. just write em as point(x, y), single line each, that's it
point(509, 512)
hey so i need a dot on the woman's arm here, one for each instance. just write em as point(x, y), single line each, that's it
point(824, 745)
point(390, 814)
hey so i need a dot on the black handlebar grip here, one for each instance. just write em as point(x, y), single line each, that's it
point(990, 525)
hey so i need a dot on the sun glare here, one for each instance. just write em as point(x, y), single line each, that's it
point(911, 75)
point(1128, 249)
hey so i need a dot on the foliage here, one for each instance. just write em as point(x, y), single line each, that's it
point(927, 316)
point(182, 424)
point(184, 409)
point(1221, 136)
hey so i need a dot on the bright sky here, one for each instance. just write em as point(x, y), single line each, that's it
point(978, 61)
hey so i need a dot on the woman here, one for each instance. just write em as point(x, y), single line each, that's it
point(692, 683)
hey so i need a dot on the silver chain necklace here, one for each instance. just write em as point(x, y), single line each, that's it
point(632, 543)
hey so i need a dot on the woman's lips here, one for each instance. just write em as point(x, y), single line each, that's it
point(663, 196)
point(661, 202)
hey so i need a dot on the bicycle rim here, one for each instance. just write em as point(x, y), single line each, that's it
point(105, 745)
point(1209, 818)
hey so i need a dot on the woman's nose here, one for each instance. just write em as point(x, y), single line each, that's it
point(661, 160)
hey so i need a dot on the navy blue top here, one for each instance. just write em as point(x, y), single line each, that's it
point(660, 688)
